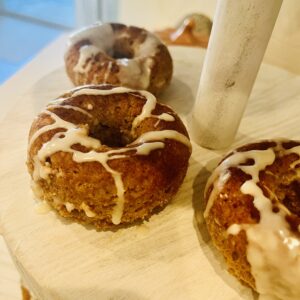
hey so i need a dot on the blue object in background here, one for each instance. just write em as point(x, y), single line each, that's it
point(61, 12)
point(28, 26)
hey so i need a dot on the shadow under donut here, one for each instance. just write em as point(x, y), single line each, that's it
point(213, 256)
point(179, 96)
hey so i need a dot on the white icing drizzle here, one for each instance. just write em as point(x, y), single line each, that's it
point(83, 207)
point(295, 163)
point(107, 72)
point(273, 250)
point(100, 39)
point(156, 123)
point(100, 36)
point(166, 117)
point(86, 57)
point(147, 108)
point(146, 48)
point(146, 148)
point(69, 206)
point(56, 101)
point(72, 134)
point(162, 135)
point(89, 213)
point(76, 108)
point(133, 72)
point(136, 72)
point(49, 127)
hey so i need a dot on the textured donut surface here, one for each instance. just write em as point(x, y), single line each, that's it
point(253, 216)
point(107, 155)
point(118, 54)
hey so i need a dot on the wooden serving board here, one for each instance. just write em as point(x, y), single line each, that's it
point(169, 257)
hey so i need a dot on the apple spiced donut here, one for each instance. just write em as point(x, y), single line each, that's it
point(107, 156)
point(121, 55)
point(253, 216)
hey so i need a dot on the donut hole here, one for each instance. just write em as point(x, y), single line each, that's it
point(121, 51)
point(122, 55)
point(111, 136)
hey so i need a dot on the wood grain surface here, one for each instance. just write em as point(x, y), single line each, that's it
point(169, 257)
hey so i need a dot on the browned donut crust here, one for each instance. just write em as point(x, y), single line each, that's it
point(150, 181)
point(228, 205)
point(104, 67)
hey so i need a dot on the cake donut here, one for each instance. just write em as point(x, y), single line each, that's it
point(107, 156)
point(118, 54)
point(253, 216)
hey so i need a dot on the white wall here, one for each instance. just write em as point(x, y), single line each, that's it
point(157, 14)
point(284, 47)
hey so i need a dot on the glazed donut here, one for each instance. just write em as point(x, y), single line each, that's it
point(107, 155)
point(194, 30)
point(253, 216)
point(120, 55)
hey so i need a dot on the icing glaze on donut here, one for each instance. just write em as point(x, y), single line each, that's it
point(134, 72)
point(273, 249)
point(69, 206)
point(139, 68)
point(73, 134)
point(99, 35)
point(87, 52)
point(71, 107)
point(107, 72)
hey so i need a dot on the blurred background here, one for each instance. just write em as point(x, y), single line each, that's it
point(28, 26)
